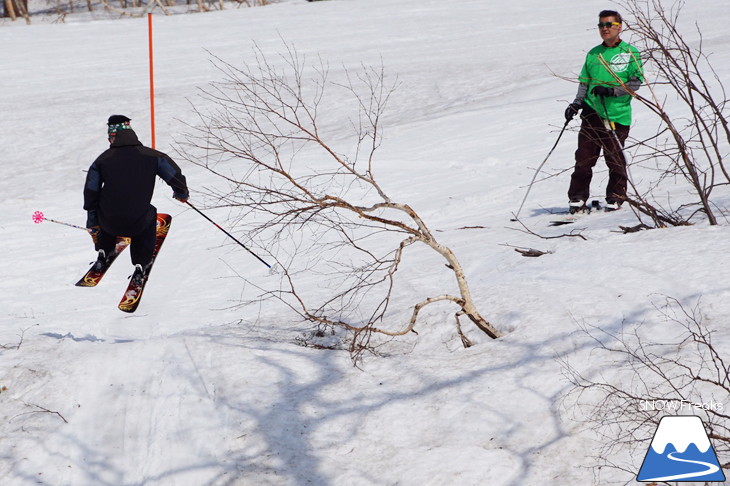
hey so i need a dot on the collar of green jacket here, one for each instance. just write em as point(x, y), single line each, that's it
point(615, 45)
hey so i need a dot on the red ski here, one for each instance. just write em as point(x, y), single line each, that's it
point(96, 272)
point(133, 294)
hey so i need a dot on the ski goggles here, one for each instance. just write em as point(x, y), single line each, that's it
point(607, 25)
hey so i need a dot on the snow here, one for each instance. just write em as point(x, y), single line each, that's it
point(193, 390)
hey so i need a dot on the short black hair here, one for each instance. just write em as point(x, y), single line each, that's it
point(611, 13)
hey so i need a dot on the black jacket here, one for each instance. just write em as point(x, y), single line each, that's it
point(120, 183)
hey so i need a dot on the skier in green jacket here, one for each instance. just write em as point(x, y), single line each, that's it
point(612, 70)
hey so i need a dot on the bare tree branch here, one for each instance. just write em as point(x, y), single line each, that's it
point(692, 140)
point(317, 210)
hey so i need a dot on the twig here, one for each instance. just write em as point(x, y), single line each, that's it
point(527, 230)
point(41, 410)
point(20, 342)
point(531, 252)
point(634, 229)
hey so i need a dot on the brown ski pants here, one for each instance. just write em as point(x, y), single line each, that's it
point(593, 137)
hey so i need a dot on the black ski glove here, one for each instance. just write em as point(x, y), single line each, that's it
point(572, 110)
point(602, 91)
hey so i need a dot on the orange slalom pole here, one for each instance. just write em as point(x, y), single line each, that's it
point(152, 81)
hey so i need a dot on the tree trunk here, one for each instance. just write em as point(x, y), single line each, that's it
point(21, 8)
point(9, 9)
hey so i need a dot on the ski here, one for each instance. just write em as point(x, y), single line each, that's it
point(95, 273)
point(133, 294)
point(574, 214)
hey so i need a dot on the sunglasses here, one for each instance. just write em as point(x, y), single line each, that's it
point(607, 24)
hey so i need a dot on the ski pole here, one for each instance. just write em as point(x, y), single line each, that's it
point(529, 187)
point(39, 217)
point(227, 233)
point(611, 127)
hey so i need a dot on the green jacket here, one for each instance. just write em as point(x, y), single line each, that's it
point(601, 68)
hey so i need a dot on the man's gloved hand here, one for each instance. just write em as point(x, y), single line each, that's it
point(94, 232)
point(182, 197)
point(572, 110)
point(602, 91)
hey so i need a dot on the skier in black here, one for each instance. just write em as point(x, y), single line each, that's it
point(118, 194)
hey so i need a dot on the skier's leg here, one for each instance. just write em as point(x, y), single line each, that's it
point(617, 176)
point(589, 149)
point(105, 241)
point(143, 245)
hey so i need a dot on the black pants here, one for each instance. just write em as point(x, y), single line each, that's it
point(592, 138)
point(141, 247)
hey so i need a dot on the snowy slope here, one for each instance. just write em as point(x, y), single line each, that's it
point(191, 390)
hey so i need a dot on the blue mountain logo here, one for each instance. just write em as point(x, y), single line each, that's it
point(680, 451)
